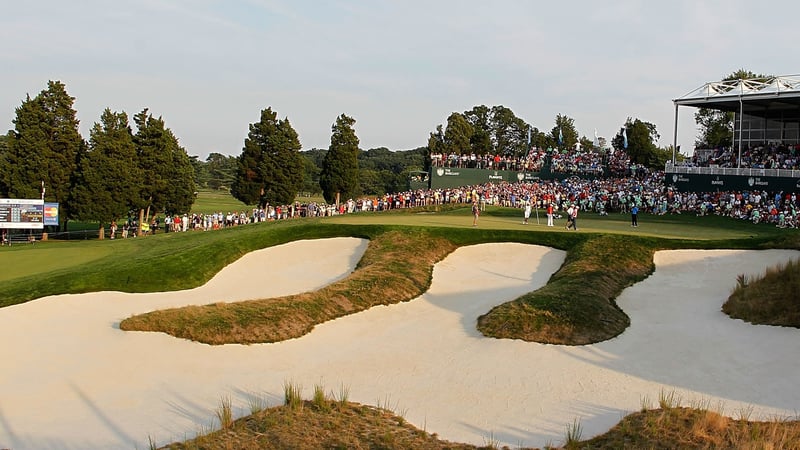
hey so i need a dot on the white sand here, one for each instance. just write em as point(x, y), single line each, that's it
point(71, 379)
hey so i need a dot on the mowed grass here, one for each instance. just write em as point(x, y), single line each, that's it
point(683, 226)
point(42, 259)
point(209, 201)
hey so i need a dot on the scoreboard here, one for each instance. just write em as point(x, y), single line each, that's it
point(21, 213)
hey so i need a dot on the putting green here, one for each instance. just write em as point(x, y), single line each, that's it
point(25, 260)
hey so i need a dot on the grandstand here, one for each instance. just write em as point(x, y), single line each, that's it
point(766, 138)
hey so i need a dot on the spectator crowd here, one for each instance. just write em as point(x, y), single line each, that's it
point(763, 156)
point(628, 186)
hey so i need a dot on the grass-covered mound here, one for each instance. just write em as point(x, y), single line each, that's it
point(322, 423)
point(328, 421)
point(698, 427)
point(396, 267)
point(577, 306)
point(769, 300)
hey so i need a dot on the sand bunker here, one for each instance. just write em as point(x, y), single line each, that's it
point(72, 379)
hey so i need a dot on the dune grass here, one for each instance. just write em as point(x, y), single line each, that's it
point(329, 422)
point(323, 422)
point(770, 299)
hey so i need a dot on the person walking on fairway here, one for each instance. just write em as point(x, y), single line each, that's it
point(476, 212)
point(549, 214)
point(527, 212)
point(572, 220)
point(635, 216)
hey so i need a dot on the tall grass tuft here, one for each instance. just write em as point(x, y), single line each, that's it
point(745, 413)
point(225, 413)
point(320, 400)
point(344, 394)
point(668, 400)
point(645, 403)
point(574, 432)
point(387, 404)
point(292, 395)
point(491, 442)
point(257, 403)
point(742, 281)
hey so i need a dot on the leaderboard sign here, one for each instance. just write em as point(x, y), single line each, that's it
point(24, 213)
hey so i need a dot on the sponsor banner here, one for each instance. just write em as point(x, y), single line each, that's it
point(51, 214)
point(452, 177)
point(21, 213)
point(694, 182)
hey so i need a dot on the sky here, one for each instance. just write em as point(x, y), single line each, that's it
point(399, 68)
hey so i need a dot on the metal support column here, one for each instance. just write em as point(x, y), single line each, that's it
point(675, 136)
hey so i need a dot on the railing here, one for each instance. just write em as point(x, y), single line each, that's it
point(25, 236)
point(790, 173)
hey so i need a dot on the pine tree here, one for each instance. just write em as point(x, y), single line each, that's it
point(339, 177)
point(108, 187)
point(44, 146)
point(270, 169)
point(167, 175)
point(3, 155)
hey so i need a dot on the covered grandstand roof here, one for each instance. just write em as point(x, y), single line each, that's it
point(756, 95)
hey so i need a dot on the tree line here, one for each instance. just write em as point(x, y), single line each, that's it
point(272, 171)
point(139, 170)
point(498, 131)
point(116, 173)
point(120, 171)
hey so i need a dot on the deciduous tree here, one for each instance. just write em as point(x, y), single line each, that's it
point(457, 135)
point(641, 137)
point(715, 127)
point(564, 133)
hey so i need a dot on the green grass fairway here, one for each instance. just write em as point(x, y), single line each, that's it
point(683, 226)
point(211, 201)
point(42, 258)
